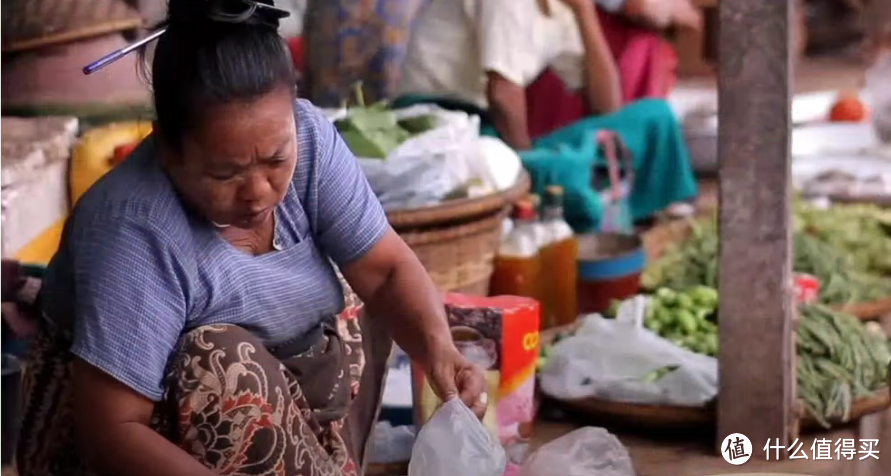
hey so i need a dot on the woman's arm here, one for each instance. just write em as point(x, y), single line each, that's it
point(507, 108)
point(396, 288)
point(602, 86)
point(111, 424)
point(129, 311)
point(352, 229)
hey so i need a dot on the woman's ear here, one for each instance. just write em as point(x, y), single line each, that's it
point(168, 155)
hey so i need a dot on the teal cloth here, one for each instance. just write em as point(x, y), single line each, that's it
point(662, 171)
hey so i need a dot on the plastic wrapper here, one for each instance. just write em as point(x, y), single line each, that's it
point(584, 452)
point(611, 359)
point(453, 443)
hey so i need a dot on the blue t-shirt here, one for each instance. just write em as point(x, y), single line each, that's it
point(135, 269)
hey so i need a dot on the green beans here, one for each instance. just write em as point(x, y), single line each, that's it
point(839, 360)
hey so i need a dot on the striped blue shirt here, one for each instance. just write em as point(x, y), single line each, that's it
point(135, 269)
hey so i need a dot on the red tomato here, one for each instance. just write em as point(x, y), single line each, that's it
point(848, 108)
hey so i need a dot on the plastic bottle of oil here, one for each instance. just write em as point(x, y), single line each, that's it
point(518, 262)
point(559, 254)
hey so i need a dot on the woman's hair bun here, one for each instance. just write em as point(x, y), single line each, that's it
point(195, 13)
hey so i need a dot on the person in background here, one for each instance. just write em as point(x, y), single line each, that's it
point(347, 41)
point(492, 57)
point(633, 29)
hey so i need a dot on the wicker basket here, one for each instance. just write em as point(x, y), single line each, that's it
point(675, 417)
point(456, 241)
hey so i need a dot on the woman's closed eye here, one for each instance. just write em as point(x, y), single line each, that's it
point(223, 176)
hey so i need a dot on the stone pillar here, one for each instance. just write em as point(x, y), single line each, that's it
point(756, 393)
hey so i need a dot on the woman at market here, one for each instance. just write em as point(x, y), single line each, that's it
point(484, 56)
point(191, 314)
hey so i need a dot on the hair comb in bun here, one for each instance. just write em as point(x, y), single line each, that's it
point(222, 11)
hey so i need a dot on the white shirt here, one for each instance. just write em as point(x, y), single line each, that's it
point(456, 42)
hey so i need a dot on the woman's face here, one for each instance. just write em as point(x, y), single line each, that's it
point(236, 166)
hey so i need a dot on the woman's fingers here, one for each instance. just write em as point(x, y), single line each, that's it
point(472, 387)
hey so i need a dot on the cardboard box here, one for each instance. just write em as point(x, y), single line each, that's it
point(501, 335)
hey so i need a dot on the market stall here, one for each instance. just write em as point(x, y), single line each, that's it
point(784, 369)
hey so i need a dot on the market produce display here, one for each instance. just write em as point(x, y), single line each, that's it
point(839, 360)
point(862, 231)
point(847, 247)
point(686, 318)
point(374, 131)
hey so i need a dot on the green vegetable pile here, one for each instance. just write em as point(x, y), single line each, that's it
point(686, 318)
point(862, 231)
point(848, 248)
point(839, 360)
point(373, 131)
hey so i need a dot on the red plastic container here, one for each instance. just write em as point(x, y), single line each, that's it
point(807, 288)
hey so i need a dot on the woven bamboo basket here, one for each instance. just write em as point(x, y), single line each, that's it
point(661, 236)
point(457, 240)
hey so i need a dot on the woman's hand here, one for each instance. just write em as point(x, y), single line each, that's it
point(578, 5)
point(665, 13)
point(451, 375)
point(685, 15)
point(397, 289)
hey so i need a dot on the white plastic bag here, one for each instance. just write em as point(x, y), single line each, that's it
point(880, 95)
point(610, 358)
point(453, 443)
point(425, 168)
point(584, 452)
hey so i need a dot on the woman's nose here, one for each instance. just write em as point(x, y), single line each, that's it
point(255, 188)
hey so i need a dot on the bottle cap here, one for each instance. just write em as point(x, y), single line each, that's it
point(553, 190)
point(523, 210)
point(553, 196)
point(535, 200)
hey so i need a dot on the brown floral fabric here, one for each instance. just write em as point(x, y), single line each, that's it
point(236, 406)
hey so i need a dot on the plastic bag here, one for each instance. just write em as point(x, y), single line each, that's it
point(616, 209)
point(612, 358)
point(391, 444)
point(880, 95)
point(427, 167)
point(454, 442)
point(584, 452)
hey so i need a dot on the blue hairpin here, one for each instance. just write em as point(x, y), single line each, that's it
point(275, 14)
